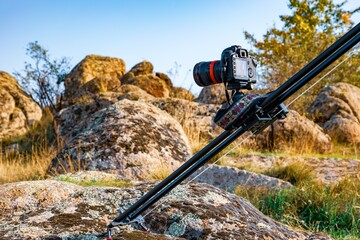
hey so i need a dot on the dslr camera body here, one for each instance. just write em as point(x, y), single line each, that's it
point(236, 69)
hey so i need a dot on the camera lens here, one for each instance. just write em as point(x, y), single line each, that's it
point(207, 73)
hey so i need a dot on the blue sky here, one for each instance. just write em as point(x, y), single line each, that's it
point(160, 31)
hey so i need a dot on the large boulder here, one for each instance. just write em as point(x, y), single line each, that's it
point(213, 94)
point(294, 132)
point(228, 178)
point(337, 110)
point(195, 118)
point(130, 138)
point(17, 110)
point(141, 75)
point(71, 119)
point(325, 170)
point(94, 74)
point(53, 210)
point(182, 93)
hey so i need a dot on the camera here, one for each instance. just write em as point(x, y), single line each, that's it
point(236, 69)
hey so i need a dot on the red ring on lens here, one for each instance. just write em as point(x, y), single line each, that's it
point(212, 76)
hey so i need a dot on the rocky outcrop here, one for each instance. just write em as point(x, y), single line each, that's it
point(132, 92)
point(51, 210)
point(228, 178)
point(71, 119)
point(293, 132)
point(94, 74)
point(213, 94)
point(337, 110)
point(17, 110)
point(158, 85)
point(182, 93)
point(131, 138)
point(325, 170)
point(142, 75)
point(195, 118)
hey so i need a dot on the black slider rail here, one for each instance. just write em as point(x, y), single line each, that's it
point(268, 106)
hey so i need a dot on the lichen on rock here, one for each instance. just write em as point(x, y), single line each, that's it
point(83, 212)
point(129, 138)
point(228, 178)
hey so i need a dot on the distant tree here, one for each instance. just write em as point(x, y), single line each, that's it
point(43, 79)
point(310, 29)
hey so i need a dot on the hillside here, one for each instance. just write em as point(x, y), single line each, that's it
point(117, 133)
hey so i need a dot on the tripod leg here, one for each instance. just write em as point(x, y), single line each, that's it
point(189, 171)
point(125, 215)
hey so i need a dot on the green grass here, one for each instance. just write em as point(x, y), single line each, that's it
point(119, 183)
point(311, 205)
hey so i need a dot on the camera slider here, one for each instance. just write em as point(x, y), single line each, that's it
point(241, 113)
point(264, 119)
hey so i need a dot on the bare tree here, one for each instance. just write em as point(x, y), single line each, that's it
point(43, 79)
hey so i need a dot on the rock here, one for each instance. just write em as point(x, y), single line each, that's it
point(213, 94)
point(87, 176)
point(29, 196)
point(130, 138)
point(72, 119)
point(337, 110)
point(195, 118)
point(176, 92)
point(142, 68)
point(333, 170)
point(164, 77)
point(94, 74)
point(132, 92)
point(17, 110)
point(182, 93)
point(228, 178)
point(151, 84)
point(293, 132)
point(195, 211)
point(53, 209)
point(325, 170)
point(142, 76)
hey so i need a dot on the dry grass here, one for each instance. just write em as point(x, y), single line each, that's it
point(159, 173)
point(192, 130)
point(16, 167)
point(27, 157)
point(119, 183)
point(294, 172)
